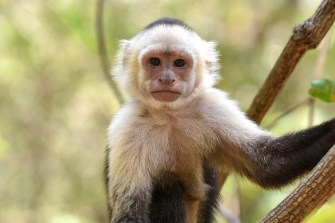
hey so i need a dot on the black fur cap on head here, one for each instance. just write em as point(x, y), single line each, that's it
point(167, 22)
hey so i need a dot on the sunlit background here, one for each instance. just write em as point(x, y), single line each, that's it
point(55, 103)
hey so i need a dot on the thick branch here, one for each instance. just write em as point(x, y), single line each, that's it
point(306, 35)
point(103, 52)
point(314, 191)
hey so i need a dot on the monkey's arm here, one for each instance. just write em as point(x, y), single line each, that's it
point(278, 161)
point(267, 160)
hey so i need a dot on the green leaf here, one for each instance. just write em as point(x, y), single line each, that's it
point(323, 89)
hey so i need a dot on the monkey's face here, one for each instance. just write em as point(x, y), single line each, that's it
point(166, 66)
point(168, 74)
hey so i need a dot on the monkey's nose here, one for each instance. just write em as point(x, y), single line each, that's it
point(166, 80)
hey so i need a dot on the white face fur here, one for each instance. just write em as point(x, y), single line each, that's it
point(166, 65)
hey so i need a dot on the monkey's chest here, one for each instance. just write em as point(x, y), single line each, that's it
point(188, 144)
point(183, 135)
point(179, 144)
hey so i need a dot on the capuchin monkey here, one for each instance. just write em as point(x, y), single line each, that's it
point(170, 142)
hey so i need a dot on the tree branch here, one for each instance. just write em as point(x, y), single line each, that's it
point(314, 191)
point(306, 35)
point(103, 52)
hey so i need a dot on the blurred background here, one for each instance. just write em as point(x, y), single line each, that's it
point(55, 103)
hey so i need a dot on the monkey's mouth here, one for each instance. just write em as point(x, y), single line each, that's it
point(165, 96)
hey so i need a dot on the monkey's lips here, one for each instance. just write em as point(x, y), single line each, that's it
point(165, 96)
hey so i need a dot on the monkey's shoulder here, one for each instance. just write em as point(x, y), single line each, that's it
point(215, 104)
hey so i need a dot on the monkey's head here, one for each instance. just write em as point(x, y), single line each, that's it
point(166, 64)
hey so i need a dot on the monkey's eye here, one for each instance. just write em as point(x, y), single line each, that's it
point(179, 63)
point(155, 61)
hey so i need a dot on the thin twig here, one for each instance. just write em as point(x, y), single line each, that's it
point(103, 50)
point(274, 122)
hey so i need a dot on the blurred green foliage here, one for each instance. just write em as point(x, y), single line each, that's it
point(323, 89)
point(55, 104)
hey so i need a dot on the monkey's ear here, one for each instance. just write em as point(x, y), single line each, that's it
point(124, 44)
point(212, 60)
point(121, 60)
point(123, 66)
